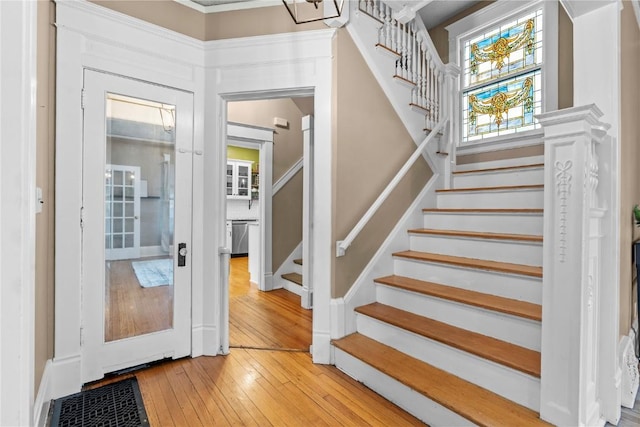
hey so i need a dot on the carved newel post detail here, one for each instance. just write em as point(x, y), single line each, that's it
point(575, 214)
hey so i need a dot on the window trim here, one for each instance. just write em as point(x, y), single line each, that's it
point(493, 15)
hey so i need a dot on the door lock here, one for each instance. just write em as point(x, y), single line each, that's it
point(182, 254)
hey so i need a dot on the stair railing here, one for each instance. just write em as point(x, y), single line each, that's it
point(433, 93)
point(580, 293)
point(342, 245)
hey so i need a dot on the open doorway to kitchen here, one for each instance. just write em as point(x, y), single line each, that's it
point(266, 310)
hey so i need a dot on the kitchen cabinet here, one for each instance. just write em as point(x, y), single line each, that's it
point(239, 179)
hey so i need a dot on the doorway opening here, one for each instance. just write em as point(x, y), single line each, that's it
point(266, 310)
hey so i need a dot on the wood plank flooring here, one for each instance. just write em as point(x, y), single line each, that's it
point(260, 387)
point(132, 310)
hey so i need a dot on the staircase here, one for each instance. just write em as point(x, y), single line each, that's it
point(294, 279)
point(454, 334)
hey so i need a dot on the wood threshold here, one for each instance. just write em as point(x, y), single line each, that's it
point(501, 267)
point(470, 401)
point(497, 211)
point(505, 168)
point(523, 309)
point(479, 235)
point(499, 188)
point(293, 277)
point(489, 348)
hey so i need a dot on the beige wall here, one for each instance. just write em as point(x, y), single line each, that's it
point(565, 60)
point(167, 14)
point(630, 155)
point(287, 150)
point(370, 145)
point(533, 150)
point(253, 22)
point(45, 149)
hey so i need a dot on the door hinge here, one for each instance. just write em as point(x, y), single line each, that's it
point(83, 94)
point(82, 217)
point(81, 336)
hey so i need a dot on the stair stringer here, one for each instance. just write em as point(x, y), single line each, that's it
point(363, 290)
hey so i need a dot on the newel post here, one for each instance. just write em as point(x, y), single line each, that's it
point(573, 235)
point(452, 131)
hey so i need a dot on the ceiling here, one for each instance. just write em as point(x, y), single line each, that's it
point(432, 14)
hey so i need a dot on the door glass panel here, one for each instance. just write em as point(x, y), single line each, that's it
point(140, 146)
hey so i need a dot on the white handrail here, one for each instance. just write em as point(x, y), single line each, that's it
point(342, 245)
point(286, 177)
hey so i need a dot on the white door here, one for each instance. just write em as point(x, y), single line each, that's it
point(137, 304)
point(122, 212)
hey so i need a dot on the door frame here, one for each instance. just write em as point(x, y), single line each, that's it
point(260, 139)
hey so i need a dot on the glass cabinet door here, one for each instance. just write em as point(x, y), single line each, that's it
point(243, 180)
point(229, 179)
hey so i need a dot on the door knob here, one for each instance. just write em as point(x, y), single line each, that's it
point(182, 254)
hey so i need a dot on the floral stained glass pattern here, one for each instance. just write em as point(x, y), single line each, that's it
point(502, 107)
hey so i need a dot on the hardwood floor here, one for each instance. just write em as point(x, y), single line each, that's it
point(132, 310)
point(259, 319)
point(265, 387)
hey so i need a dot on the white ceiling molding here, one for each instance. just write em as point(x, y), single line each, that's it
point(577, 8)
point(213, 6)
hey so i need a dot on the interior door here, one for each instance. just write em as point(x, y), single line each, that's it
point(137, 179)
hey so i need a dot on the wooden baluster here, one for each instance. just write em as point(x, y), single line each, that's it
point(415, 56)
point(376, 9)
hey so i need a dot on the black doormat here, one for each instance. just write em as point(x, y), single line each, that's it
point(113, 405)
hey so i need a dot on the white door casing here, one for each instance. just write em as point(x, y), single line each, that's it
point(100, 356)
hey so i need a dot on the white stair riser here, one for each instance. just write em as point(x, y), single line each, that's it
point(488, 222)
point(516, 252)
point(511, 199)
point(513, 329)
point(529, 176)
point(411, 401)
point(510, 383)
point(514, 286)
point(292, 287)
point(297, 268)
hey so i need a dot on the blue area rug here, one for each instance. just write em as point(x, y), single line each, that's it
point(156, 272)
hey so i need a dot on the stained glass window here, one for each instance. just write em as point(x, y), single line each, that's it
point(502, 78)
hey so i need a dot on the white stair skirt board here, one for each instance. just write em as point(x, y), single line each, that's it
point(411, 401)
point(492, 222)
point(507, 382)
point(524, 176)
point(527, 198)
point(516, 286)
point(512, 251)
point(505, 327)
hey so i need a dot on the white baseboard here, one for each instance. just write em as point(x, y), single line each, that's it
point(66, 376)
point(43, 398)
point(321, 350)
point(363, 289)
point(210, 341)
point(629, 368)
point(149, 251)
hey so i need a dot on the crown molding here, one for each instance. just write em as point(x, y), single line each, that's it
point(225, 7)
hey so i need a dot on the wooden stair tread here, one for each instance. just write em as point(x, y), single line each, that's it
point(298, 261)
point(503, 267)
point(470, 401)
point(504, 168)
point(498, 211)
point(387, 49)
point(479, 235)
point(498, 188)
point(404, 81)
point(419, 108)
point(498, 351)
point(293, 277)
point(504, 305)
